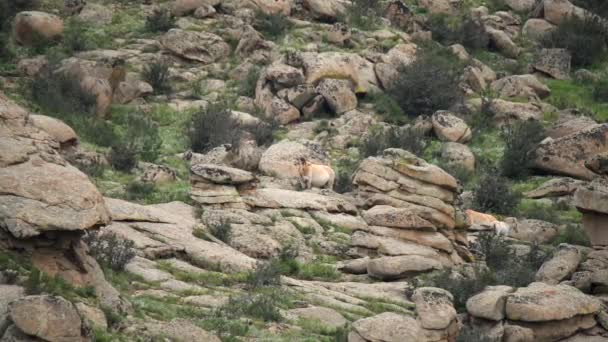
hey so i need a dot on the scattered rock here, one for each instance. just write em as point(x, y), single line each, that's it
point(489, 304)
point(554, 62)
point(389, 327)
point(561, 266)
point(197, 46)
point(449, 127)
point(31, 26)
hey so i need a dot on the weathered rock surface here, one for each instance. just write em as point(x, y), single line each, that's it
point(280, 159)
point(198, 46)
point(490, 304)
point(449, 127)
point(561, 266)
point(31, 26)
point(389, 327)
point(434, 308)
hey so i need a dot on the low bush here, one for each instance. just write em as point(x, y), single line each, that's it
point(573, 234)
point(345, 169)
point(365, 14)
point(586, 39)
point(266, 274)
point(122, 157)
point(248, 85)
point(521, 141)
point(464, 30)
point(60, 95)
point(428, 84)
point(109, 249)
point(263, 306)
point(387, 107)
point(39, 282)
point(599, 7)
point(494, 195)
point(157, 75)
point(600, 90)
point(381, 138)
point(139, 138)
point(211, 127)
point(139, 191)
point(80, 36)
point(221, 230)
point(272, 26)
point(161, 20)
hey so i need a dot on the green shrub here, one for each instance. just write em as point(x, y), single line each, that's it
point(272, 26)
point(157, 75)
point(266, 274)
point(221, 230)
point(6, 54)
point(345, 169)
point(318, 271)
point(79, 36)
point(428, 84)
point(494, 195)
point(248, 85)
point(109, 249)
point(464, 30)
point(139, 139)
point(39, 282)
point(573, 234)
point(387, 107)
point(521, 141)
point(380, 139)
point(365, 14)
point(600, 90)
point(161, 20)
point(263, 306)
point(139, 191)
point(599, 7)
point(60, 95)
point(211, 127)
point(123, 157)
point(586, 39)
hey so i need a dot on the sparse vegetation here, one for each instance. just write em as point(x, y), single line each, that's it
point(247, 86)
point(80, 36)
point(428, 84)
point(586, 39)
point(494, 195)
point(465, 30)
point(211, 127)
point(221, 230)
point(109, 249)
point(138, 139)
point(572, 234)
point(381, 138)
point(521, 140)
point(272, 26)
point(157, 75)
point(161, 20)
point(365, 14)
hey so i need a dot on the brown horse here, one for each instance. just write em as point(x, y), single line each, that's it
point(315, 175)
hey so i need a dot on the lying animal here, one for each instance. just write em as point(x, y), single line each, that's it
point(315, 175)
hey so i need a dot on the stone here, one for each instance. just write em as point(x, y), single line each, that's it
point(32, 66)
point(147, 270)
point(92, 315)
point(328, 317)
point(449, 127)
point(178, 329)
point(437, 6)
point(131, 90)
point(327, 10)
point(503, 43)
point(398, 14)
point(567, 155)
point(388, 327)
point(338, 94)
point(555, 187)
point(558, 330)
point(507, 112)
point(157, 174)
point(598, 164)
point(280, 159)
point(536, 29)
point(8, 293)
point(387, 216)
point(521, 5)
point(283, 76)
point(50, 318)
point(554, 62)
point(13, 334)
point(95, 15)
point(279, 198)
point(515, 86)
point(434, 307)
point(219, 174)
point(489, 304)
point(338, 65)
point(530, 230)
point(31, 26)
point(540, 302)
point(181, 8)
point(458, 155)
point(339, 34)
point(556, 11)
point(205, 11)
point(397, 267)
point(561, 266)
point(202, 47)
point(516, 333)
point(56, 128)
point(591, 201)
point(101, 90)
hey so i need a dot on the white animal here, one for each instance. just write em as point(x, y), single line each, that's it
point(315, 175)
point(501, 228)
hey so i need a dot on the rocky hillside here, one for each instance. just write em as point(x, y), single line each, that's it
point(304, 170)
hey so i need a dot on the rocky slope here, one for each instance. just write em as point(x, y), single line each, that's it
point(149, 182)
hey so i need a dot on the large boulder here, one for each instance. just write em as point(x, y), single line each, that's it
point(397, 267)
point(449, 127)
point(555, 187)
point(554, 62)
point(273, 6)
point(8, 293)
point(203, 47)
point(56, 128)
point(489, 304)
point(96, 15)
point(531, 230)
point(507, 112)
point(289, 199)
point(527, 86)
point(434, 307)
point(567, 155)
point(536, 28)
point(437, 6)
point(568, 124)
point(543, 303)
point(328, 317)
point(328, 10)
point(32, 26)
point(339, 65)
point(184, 7)
point(503, 43)
point(338, 95)
point(591, 200)
point(281, 158)
point(47, 317)
point(458, 155)
point(387, 327)
point(556, 11)
point(561, 266)
point(521, 5)
point(221, 174)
